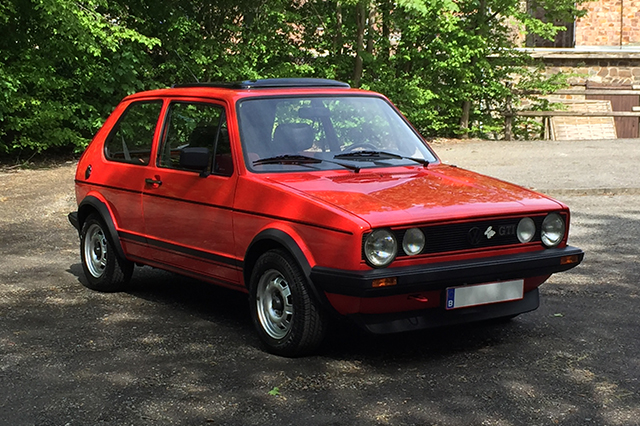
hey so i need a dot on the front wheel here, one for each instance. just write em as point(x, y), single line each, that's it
point(103, 268)
point(284, 311)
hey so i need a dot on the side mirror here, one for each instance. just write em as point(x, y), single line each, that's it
point(195, 158)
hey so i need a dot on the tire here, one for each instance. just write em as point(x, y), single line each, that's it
point(285, 313)
point(103, 268)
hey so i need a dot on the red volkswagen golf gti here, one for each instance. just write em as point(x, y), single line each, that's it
point(317, 200)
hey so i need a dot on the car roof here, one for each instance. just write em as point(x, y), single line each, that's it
point(250, 88)
point(269, 83)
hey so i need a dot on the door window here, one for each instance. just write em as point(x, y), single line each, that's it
point(197, 125)
point(131, 139)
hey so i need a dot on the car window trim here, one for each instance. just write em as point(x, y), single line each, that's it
point(165, 128)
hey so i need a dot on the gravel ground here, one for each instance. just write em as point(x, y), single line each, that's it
point(174, 351)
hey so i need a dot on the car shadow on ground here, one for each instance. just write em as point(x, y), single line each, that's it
point(344, 339)
point(173, 291)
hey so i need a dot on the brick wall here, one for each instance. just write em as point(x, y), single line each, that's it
point(609, 23)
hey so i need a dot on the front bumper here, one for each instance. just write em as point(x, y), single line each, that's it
point(437, 276)
point(439, 317)
point(73, 220)
point(356, 289)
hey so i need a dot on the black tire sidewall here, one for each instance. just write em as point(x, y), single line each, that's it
point(117, 272)
point(296, 342)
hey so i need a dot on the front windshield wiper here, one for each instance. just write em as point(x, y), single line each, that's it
point(300, 160)
point(377, 155)
point(287, 159)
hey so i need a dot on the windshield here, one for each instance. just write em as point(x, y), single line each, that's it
point(322, 133)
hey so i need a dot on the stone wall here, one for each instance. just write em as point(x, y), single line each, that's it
point(604, 67)
point(609, 23)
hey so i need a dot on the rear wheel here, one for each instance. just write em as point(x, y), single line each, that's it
point(103, 268)
point(284, 311)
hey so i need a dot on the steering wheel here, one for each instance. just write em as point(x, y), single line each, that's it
point(366, 146)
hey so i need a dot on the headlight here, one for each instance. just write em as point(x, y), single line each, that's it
point(413, 241)
point(526, 230)
point(380, 248)
point(552, 230)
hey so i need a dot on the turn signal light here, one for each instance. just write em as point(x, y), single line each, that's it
point(384, 282)
point(567, 260)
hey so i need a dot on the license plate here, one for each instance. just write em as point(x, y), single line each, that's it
point(483, 294)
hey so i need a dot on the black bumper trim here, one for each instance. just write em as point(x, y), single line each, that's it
point(439, 317)
point(436, 276)
point(73, 219)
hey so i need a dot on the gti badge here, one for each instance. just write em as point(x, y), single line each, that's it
point(490, 232)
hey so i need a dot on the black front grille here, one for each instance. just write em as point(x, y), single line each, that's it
point(469, 235)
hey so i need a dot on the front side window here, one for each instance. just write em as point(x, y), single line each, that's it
point(131, 138)
point(327, 130)
point(196, 125)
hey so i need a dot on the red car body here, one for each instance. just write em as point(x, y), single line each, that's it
point(217, 227)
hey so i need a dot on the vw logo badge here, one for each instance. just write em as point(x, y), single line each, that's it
point(474, 236)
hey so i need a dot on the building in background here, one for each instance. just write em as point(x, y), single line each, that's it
point(602, 50)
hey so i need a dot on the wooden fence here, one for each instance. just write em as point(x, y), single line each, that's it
point(546, 115)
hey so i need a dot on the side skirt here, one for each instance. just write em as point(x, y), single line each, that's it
point(191, 274)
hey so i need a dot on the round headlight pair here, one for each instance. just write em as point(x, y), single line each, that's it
point(381, 247)
point(553, 228)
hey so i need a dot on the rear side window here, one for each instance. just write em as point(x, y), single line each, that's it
point(131, 138)
point(197, 125)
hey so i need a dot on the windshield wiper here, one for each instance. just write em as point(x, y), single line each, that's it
point(300, 160)
point(377, 155)
point(287, 159)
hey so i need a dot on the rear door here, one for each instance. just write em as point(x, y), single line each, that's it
point(188, 213)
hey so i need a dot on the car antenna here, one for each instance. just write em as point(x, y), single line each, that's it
point(185, 64)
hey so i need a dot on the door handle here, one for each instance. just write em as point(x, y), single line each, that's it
point(150, 181)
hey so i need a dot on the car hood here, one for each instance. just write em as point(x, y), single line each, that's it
point(441, 192)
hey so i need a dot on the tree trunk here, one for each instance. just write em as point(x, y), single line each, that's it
point(358, 67)
point(480, 28)
point(370, 31)
point(464, 120)
point(337, 40)
point(386, 30)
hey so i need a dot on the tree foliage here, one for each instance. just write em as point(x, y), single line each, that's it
point(65, 64)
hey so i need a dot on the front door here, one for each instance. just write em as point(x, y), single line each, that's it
point(187, 212)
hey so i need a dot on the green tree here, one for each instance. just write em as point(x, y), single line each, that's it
point(445, 63)
point(218, 40)
point(63, 64)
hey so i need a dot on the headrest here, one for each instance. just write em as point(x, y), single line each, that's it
point(203, 136)
point(293, 137)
